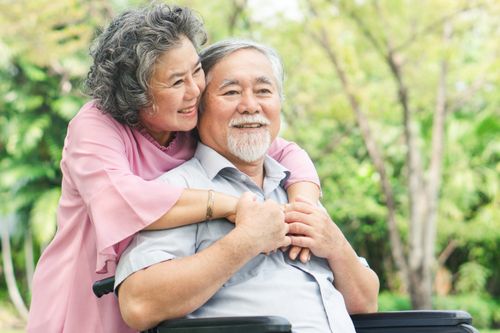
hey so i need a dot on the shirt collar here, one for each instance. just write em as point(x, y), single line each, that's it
point(214, 163)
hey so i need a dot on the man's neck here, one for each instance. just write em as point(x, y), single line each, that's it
point(254, 170)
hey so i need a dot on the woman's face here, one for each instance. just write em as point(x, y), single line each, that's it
point(176, 86)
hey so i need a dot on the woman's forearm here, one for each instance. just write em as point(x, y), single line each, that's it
point(192, 205)
point(192, 208)
point(306, 190)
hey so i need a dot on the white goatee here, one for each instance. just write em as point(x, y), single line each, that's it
point(252, 146)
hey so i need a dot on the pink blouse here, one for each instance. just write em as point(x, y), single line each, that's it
point(109, 193)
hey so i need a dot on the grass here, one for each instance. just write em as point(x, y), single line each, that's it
point(9, 321)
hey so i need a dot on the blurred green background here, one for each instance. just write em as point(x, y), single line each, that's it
point(397, 102)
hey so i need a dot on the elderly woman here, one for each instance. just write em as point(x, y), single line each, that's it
point(146, 80)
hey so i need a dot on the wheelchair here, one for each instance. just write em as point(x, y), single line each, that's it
point(416, 321)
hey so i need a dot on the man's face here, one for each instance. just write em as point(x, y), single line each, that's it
point(241, 107)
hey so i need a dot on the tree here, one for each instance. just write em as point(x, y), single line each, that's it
point(39, 83)
point(394, 50)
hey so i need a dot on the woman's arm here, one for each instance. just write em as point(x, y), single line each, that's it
point(192, 207)
point(303, 181)
point(295, 159)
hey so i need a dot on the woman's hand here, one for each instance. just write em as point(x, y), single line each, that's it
point(312, 228)
point(302, 192)
point(304, 254)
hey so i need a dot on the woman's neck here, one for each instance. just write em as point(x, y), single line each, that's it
point(163, 138)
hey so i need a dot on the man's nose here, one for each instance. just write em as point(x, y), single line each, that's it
point(248, 104)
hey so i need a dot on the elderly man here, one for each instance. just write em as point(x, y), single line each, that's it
point(217, 268)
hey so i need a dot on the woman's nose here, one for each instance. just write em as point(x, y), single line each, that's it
point(192, 89)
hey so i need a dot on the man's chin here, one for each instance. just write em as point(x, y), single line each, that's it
point(249, 148)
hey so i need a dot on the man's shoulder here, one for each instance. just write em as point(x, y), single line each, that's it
point(189, 174)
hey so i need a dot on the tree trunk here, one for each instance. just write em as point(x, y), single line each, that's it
point(435, 176)
point(29, 260)
point(397, 250)
point(418, 266)
point(10, 278)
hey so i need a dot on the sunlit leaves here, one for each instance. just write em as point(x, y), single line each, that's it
point(45, 31)
point(43, 215)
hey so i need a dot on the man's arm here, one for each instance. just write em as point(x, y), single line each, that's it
point(315, 230)
point(175, 288)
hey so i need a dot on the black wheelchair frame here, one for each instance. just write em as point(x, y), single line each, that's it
point(415, 321)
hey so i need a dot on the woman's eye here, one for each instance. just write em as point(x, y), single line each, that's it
point(177, 83)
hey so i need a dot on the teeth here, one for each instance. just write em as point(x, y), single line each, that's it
point(254, 121)
point(249, 126)
point(186, 110)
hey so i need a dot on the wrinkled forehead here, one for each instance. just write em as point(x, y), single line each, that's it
point(245, 62)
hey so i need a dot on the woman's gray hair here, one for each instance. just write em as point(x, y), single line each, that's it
point(125, 56)
point(216, 52)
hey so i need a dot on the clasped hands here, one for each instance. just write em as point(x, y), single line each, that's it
point(301, 227)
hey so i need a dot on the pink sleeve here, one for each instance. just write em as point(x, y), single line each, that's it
point(294, 159)
point(118, 202)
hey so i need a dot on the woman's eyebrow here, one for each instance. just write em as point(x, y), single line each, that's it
point(179, 74)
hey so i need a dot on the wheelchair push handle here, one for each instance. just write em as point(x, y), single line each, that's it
point(104, 286)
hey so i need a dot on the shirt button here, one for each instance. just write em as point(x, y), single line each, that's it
point(243, 177)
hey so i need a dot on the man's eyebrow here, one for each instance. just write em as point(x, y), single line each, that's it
point(228, 82)
point(260, 79)
point(264, 79)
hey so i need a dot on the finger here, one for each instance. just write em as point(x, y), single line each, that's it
point(295, 216)
point(298, 228)
point(286, 226)
point(286, 241)
point(287, 208)
point(294, 252)
point(305, 255)
point(301, 241)
point(302, 207)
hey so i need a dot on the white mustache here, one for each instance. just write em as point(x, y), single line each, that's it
point(254, 119)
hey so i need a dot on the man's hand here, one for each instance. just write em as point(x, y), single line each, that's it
point(261, 224)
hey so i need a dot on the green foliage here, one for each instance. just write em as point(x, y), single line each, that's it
point(43, 62)
point(39, 79)
point(472, 278)
point(393, 302)
point(484, 310)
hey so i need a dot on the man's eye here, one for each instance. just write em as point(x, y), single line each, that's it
point(231, 92)
point(197, 70)
point(264, 91)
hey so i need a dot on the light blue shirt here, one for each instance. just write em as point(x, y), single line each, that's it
point(268, 284)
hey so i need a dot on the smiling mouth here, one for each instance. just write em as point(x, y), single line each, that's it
point(253, 125)
point(249, 122)
point(187, 110)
